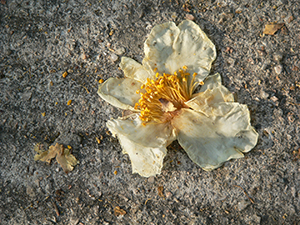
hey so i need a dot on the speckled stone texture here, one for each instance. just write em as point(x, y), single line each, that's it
point(41, 40)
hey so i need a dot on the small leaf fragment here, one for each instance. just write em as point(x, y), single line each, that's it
point(63, 156)
point(271, 29)
point(119, 211)
point(160, 190)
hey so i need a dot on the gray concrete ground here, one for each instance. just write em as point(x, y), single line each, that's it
point(40, 40)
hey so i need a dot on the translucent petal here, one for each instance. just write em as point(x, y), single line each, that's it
point(120, 93)
point(169, 48)
point(152, 135)
point(145, 161)
point(145, 145)
point(135, 70)
point(212, 81)
point(212, 93)
point(210, 141)
point(159, 46)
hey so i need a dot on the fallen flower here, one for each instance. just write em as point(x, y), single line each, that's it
point(62, 155)
point(164, 95)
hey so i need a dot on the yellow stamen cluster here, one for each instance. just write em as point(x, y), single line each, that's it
point(165, 94)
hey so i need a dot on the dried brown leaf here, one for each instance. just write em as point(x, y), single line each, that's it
point(63, 156)
point(119, 211)
point(160, 190)
point(271, 29)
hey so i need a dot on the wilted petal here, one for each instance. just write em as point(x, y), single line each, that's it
point(145, 145)
point(211, 82)
point(152, 135)
point(212, 93)
point(145, 161)
point(159, 46)
point(196, 51)
point(169, 48)
point(134, 70)
point(210, 141)
point(120, 93)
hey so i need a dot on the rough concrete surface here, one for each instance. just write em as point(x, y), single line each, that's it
point(40, 40)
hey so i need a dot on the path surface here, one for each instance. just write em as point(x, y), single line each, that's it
point(41, 40)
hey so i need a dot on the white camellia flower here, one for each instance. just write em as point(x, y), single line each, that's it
point(162, 93)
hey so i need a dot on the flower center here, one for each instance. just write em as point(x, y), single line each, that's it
point(164, 95)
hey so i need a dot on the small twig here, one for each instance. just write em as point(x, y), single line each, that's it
point(251, 200)
point(55, 208)
point(147, 201)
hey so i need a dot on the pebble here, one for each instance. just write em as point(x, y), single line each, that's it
point(114, 57)
point(83, 56)
point(264, 95)
point(274, 98)
point(278, 69)
point(242, 205)
point(278, 57)
point(256, 219)
point(120, 51)
point(189, 17)
point(26, 96)
point(151, 179)
point(265, 64)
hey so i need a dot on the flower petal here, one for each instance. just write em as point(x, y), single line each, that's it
point(145, 145)
point(196, 50)
point(152, 135)
point(134, 70)
point(211, 94)
point(169, 48)
point(145, 161)
point(159, 46)
point(120, 93)
point(210, 141)
point(211, 82)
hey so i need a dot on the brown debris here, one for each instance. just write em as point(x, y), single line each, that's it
point(271, 29)
point(55, 208)
point(160, 190)
point(251, 200)
point(119, 211)
point(186, 7)
point(62, 155)
point(296, 154)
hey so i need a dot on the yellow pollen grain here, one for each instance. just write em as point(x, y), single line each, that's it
point(98, 140)
point(184, 67)
point(69, 102)
point(201, 83)
point(155, 69)
point(65, 74)
point(101, 81)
